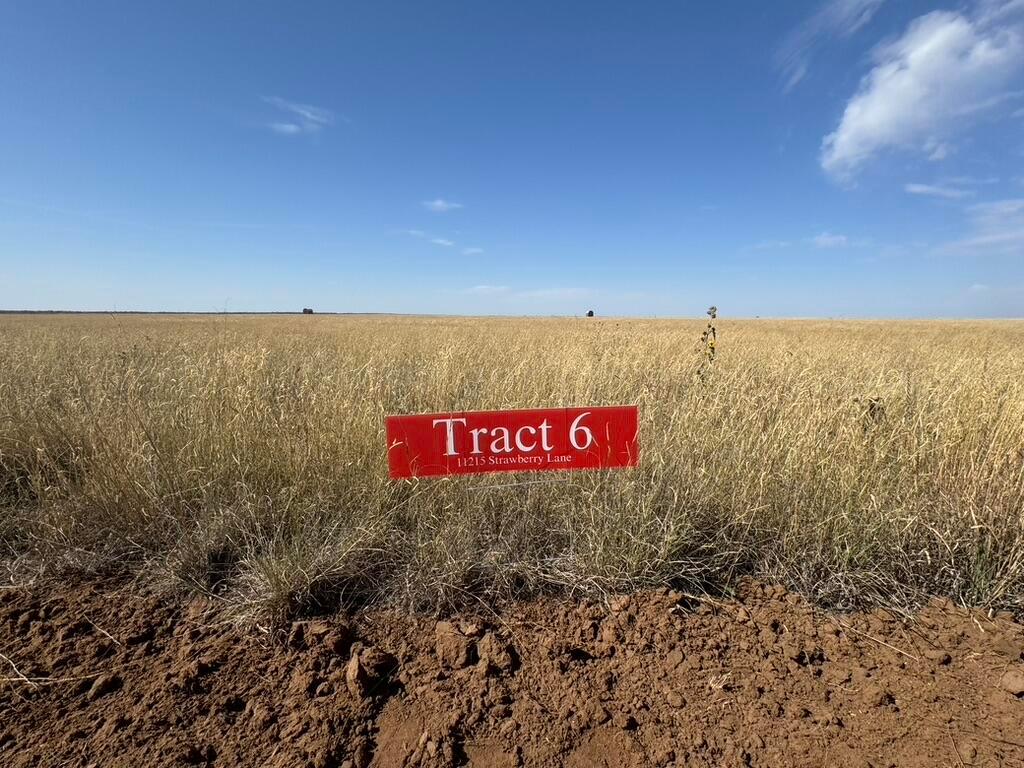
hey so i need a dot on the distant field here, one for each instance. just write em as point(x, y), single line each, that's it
point(245, 456)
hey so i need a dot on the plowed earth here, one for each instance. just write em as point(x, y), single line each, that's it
point(101, 675)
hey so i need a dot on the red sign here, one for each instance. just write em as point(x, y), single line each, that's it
point(471, 443)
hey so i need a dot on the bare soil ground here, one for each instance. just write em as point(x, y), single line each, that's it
point(97, 674)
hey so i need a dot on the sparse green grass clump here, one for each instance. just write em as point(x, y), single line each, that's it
point(245, 457)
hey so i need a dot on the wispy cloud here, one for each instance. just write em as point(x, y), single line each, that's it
point(992, 101)
point(1004, 299)
point(936, 150)
point(288, 129)
point(301, 118)
point(931, 82)
point(554, 293)
point(833, 19)
point(487, 290)
point(996, 228)
point(440, 206)
point(828, 240)
point(998, 212)
point(970, 181)
point(768, 245)
point(932, 190)
point(472, 251)
point(419, 234)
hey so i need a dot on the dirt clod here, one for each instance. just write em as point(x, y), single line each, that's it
point(366, 673)
point(1012, 681)
point(103, 685)
point(453, 648)
point(494, 654)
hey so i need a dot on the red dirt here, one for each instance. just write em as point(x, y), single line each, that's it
point(115, 678)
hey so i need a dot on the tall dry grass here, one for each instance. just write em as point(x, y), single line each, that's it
point(245, 456)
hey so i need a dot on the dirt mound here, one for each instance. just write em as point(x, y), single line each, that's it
point(95, 676)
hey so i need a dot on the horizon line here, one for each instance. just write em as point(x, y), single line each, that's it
point(583, 316)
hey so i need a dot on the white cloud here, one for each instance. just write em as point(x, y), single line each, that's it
point(305, 111)
point(486, 290)
point(767, 245)
point(998, 212)
point(937, 150)
point(930, 190)
point(990, 102)
point(554, 293)
point(828, 240)
point(285, 128)
point(926, 85)
point(419, 234)
point(304, 118)
point(994, 10)
point(835, 18)
point(1005, 299)
point(440, 206)
point(997, 228)
point(472, 251)
point(972, 181)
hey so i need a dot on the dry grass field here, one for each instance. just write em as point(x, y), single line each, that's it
point(244, 456)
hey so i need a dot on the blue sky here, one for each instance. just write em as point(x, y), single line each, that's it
point(845, 158)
